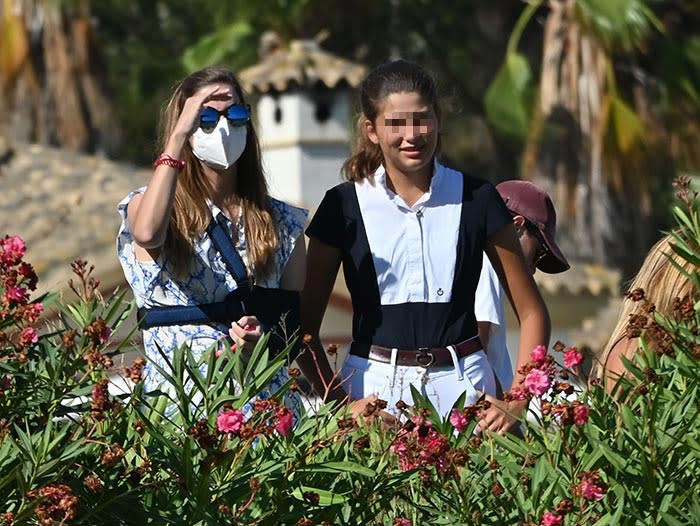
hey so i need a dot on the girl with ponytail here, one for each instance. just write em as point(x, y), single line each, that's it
point(410, 234)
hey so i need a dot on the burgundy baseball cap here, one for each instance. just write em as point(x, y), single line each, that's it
point(528, 200)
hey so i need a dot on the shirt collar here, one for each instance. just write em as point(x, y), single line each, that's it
point(219, 214)
point(215, 210)
point(436, 184)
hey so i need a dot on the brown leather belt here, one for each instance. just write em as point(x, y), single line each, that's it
point(422, 357)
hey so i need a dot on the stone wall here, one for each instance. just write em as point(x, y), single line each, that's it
point(64, 205)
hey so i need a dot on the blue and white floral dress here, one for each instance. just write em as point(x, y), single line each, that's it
point(154, 284)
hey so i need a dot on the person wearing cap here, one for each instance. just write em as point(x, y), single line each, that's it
point(535, 222)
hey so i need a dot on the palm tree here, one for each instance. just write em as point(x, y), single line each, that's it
point(591, 138)
point(50, 75)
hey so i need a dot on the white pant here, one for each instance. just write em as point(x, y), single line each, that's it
point(441, 385)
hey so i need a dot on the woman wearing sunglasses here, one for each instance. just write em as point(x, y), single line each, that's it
point(203, 247)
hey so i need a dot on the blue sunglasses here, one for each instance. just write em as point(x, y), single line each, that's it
point(237, 115)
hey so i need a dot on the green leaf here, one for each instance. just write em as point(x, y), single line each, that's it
point(326, 498)
point(214, 47)
point(615, 459)
point(671, 520)
point(194, 374)
point(539, 475)
point(508, 99)
point(424, 402)
point(26, 445)
point(9, 471)
point(628, 128)
point(338, 467)
point(512, 444)
point(618, 24)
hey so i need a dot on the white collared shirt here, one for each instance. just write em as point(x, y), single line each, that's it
point(489, 307)
point(414, 248)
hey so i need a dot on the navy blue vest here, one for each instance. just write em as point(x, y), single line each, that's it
point(416, 324)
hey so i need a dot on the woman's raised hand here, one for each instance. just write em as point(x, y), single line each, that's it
point(188, 121)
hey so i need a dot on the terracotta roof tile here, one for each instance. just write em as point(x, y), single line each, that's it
point(305, 64)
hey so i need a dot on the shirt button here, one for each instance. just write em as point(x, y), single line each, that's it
point(440, 292)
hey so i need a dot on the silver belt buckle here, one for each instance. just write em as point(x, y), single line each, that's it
point(424, 357)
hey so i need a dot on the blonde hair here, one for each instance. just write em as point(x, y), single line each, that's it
point(397, 76)
point(191, 215)
point(663, 284)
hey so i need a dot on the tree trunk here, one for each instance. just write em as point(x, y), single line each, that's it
point(599, 221)
point(61, 81)
point(52, 93)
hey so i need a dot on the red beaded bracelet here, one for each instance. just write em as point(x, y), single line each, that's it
point(169, 160)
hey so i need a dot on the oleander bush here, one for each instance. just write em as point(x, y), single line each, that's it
point(77, 447)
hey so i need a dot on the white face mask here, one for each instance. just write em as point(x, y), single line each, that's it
point(221, 147)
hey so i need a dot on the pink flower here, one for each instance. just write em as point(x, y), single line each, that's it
point(517, 394)
point(459, 420)
point(437, 444)
point(399, 448)
point(30, 277)
point(421, 420)
point(32, 312)
point(28, 336)
point(14, 245)
point(105, 334)
point(402, 522)
point(537, 382)
point(421, 446)
point(16, 294)
point(97, 391)
point(538, 354)
point(5, 384)
point(551, 519)
point(590, 490)
point(230, 421)
point(13, 249)
point(580, 414)
point(572, 358)
point(285, 419)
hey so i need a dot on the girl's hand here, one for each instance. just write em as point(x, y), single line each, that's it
point(188, 121)
point(359, 408)
point(502, 417)
point(245, 332)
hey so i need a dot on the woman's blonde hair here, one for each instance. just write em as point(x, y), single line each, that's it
point(662, 282)
point(397, 76)
point(191, 215)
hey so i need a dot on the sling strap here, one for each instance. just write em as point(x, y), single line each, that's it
point(231, 308)
point(232, 259)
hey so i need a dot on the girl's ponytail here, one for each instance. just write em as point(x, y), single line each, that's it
point(366, 156)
